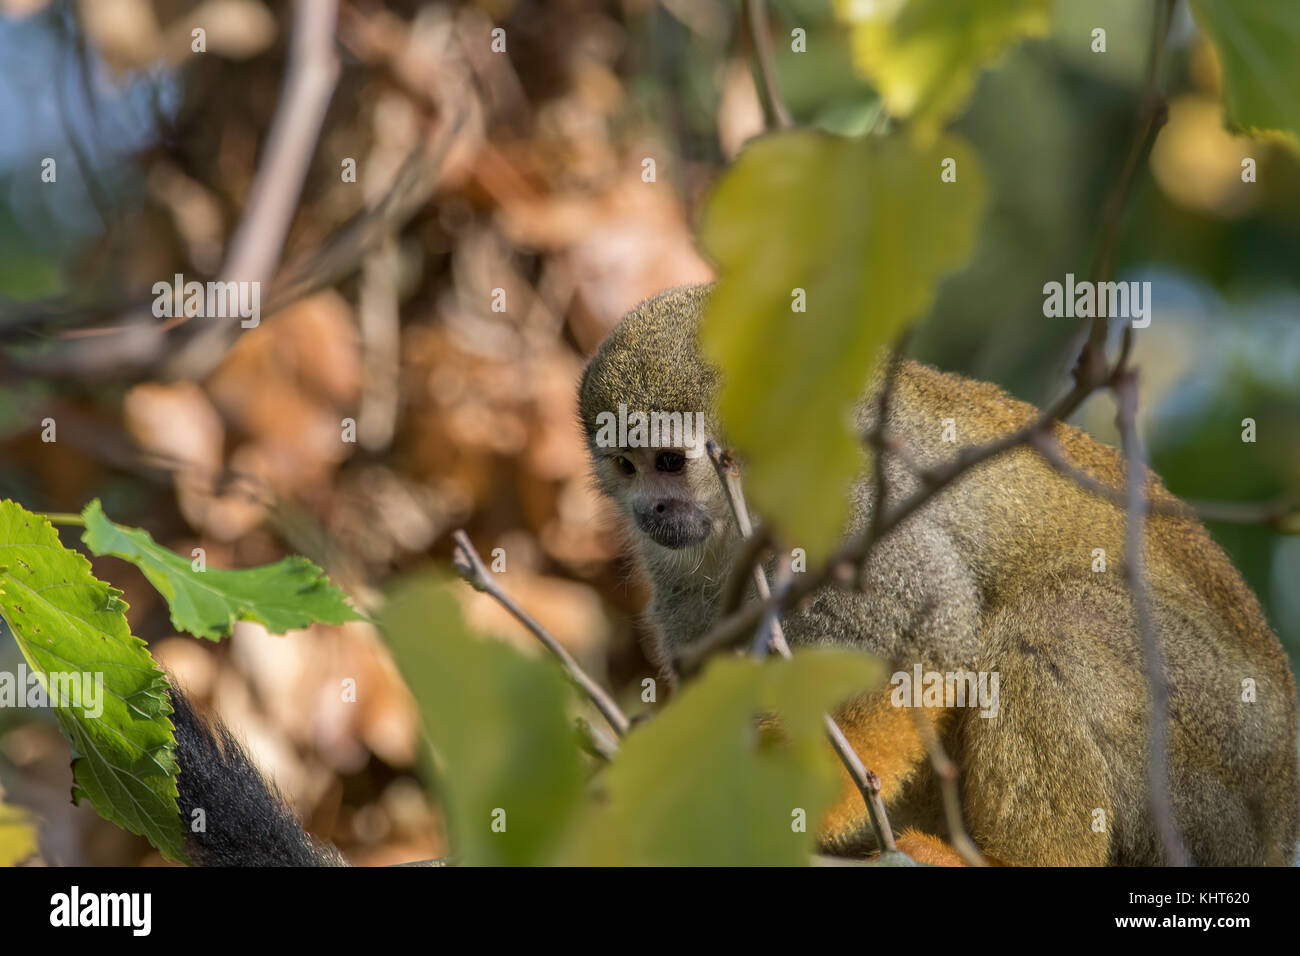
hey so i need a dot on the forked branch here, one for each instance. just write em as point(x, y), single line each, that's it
point(868, 783)
point(471, 567)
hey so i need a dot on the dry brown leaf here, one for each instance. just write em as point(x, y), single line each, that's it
point(740, 114)
point(234, 29)
point(175, 422)
point(179, 426)
point(271, 752)
point(572, 612)
point(288, 384)
point(191, 662)
point(620, 247)
point(556, 450)
point(125, 32)
point(582, 536)
point(22, 8)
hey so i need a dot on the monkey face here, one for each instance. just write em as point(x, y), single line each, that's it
point(659, 490)
point(646, 404)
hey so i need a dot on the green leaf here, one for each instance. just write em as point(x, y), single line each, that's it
point(72, 630)
point(699, 785)
point(497, 720)
point(923, 55)
point(866, 228)
point(1257, 43)
point(290, 594)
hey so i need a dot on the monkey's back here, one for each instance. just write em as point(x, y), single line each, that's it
point(1057, 620)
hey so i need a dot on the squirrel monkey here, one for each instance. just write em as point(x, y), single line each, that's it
point(996, 575)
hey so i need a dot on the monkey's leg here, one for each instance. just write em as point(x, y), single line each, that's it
point(927, 848)
point(1060, 771)
point(1062, 775)
point(887, 739)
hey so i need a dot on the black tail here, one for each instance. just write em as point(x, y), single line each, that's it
point(245, 821)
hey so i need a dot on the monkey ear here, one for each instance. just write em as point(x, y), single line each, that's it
point(582, 386)
point(583, 419)
point(582, 383)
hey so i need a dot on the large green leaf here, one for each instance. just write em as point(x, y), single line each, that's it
point(923, 55)
point(699, 785)
point(497, 720)
point(68, 624)
point(866, 228)
point(1258, 42)
point(289, 594)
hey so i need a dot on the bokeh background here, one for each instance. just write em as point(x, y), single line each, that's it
point(479, 171)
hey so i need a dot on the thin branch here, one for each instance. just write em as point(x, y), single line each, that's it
point(99, 200)
point(728, 472)
point(1281, 515)
point(311, 72)
point(379, 322)
point(63, 518)
point(868, 783)
point(436, 861)
point(944, 768)
point(339, 255)
point(750, 553)
point(139, 341)
point(824, 859)
point(1050, 452)
point(879, 440)
point(770, 632)
point(777, 113)
point(258, 241)
point(1151, 116)
point(1126, 397)
point(946, 771)
point(471, 567)
point(729, 475)
point(853, 554)
point(595, 741)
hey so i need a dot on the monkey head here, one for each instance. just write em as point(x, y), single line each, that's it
point(648, 407)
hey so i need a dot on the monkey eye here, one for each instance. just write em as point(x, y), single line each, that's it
point(624, 465)
point(669, 461)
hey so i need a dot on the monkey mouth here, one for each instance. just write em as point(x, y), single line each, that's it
point(675, 534)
